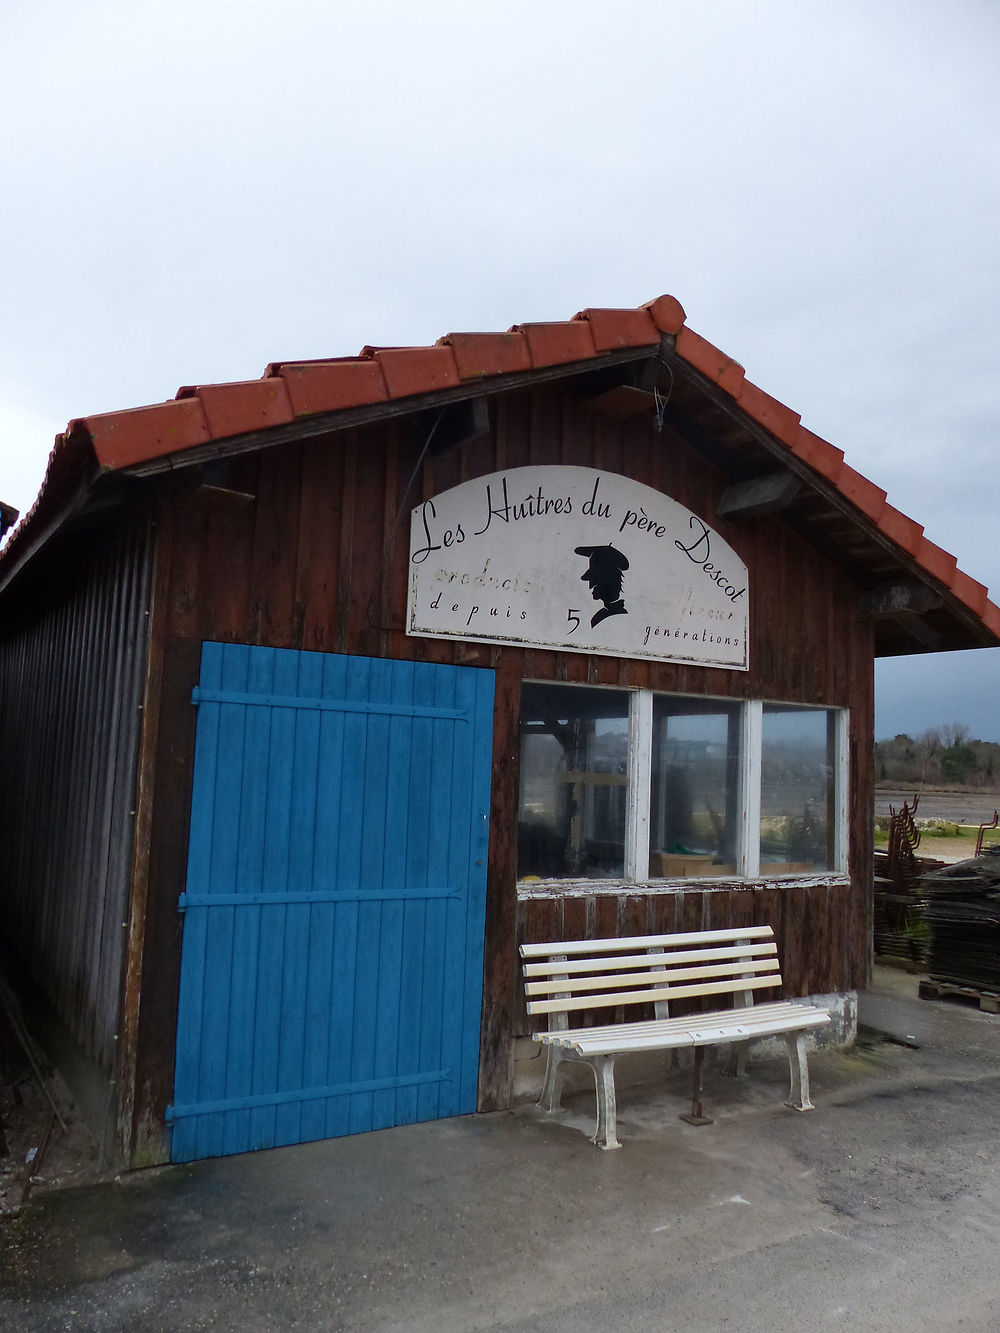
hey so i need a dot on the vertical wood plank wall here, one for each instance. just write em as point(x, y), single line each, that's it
point(319, 561)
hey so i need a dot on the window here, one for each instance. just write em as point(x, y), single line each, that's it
point(797, 790)
point(619, 784)
point(574, 779)
point(694, 791)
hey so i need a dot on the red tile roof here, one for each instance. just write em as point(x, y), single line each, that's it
point(292, 390)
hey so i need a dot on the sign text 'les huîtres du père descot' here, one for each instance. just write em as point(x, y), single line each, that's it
point(576, 559)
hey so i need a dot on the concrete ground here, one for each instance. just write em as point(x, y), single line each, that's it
point(879, 1210)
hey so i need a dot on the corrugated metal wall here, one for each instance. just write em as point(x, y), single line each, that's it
point(70, 687)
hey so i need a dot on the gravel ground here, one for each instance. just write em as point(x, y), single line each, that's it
point(44, 1152)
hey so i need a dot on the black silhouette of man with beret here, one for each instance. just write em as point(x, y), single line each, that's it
point(604, 574)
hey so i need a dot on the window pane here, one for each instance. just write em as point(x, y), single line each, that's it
point(797, 790)
point(694, 791)
point(574, 775)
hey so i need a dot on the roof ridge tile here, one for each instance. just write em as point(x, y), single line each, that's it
point(861, 492)
point(824, 457)
point(667, 313)
point(555, 344)
point(413, 370)
point(938, 562)
point(975, 595)
point(481, 354)
point(332, 386)
point(137, 433)
point(710, 360)
point(614, 328)
point(240, 406)
point(781, 421)
point(901, 529)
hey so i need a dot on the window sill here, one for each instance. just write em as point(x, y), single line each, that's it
point(587, 888)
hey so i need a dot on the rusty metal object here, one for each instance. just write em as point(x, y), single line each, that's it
point(899, 926)
point(9, 1007)
point(983, 828)
point(904, 839)
point(35, 1163)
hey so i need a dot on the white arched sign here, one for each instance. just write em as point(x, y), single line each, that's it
point(578, 560)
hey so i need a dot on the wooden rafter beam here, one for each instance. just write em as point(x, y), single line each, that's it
point(918, 629)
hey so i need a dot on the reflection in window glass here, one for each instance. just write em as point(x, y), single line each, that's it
point(574, 779)
point(797, 790)
point(694, 795)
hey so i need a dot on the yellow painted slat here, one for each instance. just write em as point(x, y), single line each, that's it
point(646, 941)
point(588, 984)
point(651, 995)
point(571, 966)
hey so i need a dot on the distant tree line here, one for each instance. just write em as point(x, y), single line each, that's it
point(942, 756)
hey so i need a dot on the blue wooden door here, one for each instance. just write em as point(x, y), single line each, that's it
point(332, 957)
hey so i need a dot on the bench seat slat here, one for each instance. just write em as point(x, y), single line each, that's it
point(582, 985)
point(770, 1009)
point(684, 1022)
point(709, 1029)
point(645, 941)
point(571, 966)
point(649, 995)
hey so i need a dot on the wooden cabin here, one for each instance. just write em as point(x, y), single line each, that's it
point(320, 692)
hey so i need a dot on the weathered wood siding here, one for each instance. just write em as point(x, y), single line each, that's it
point(71, 665)
point(319, 561)
point(811, 922)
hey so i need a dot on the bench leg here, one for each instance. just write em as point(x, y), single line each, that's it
point(606, 1134)
point(551, 1098)
point(697, 1116)
point(733, 1059)
point(798, 1065)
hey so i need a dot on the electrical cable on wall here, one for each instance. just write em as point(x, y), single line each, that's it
point(399, 514)
point(660, 400)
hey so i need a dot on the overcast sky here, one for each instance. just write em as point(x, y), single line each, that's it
point(193, 189)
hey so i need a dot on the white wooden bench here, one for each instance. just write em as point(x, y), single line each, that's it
point(566, 977)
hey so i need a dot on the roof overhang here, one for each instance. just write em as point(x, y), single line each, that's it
point(622, 363)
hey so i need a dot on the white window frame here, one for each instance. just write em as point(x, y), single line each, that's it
point(639, 772)
point(842, 786)
point(750, 754)
point(639, 784)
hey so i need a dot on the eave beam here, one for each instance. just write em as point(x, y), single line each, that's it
point(766, 494)
point(894, 600)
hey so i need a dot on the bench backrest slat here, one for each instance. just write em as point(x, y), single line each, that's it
point(572, 966)
point(571, 975)
point(659, 979)
point(570, 947)
point(646, 996)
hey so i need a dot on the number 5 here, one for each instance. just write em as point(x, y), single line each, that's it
point(573, 616)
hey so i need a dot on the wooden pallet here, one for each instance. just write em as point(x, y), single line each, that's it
point(936, 988)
